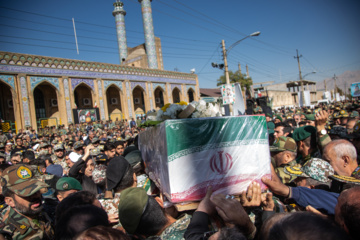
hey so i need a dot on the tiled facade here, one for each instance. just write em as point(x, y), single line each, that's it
point(23, 73)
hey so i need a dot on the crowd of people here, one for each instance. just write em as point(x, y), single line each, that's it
point(88, 181)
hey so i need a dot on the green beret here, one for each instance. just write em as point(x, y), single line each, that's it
point(68, 183)
point(132, 205)
point(310, 117)
point(304, 132)
point(279, 117)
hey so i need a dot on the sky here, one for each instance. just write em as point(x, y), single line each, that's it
point(325, 32)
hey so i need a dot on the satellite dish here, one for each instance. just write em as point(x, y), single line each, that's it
point(192, 70)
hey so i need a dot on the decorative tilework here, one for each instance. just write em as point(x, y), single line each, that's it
point(174, 86)
point(9, 79)
point(141, 84)
point(128, 97)
point(101, 100)
point(169, 93)
point(155, 85)
point(119, 14)
point(116, 83)
point(149, 33)
point(193, 87)
point(151, 98)
point(25, 102)
point(67, 100)
point(74, 73)
point(34, 81)
point(77, 81)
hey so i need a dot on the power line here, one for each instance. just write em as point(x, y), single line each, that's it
point(216, 49)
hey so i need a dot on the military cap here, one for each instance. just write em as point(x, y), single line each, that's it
point(43, 152)
point(40, 135)
point(343, 113)
point(308, 111)
point(78, 144)
point(283, 144)
point(54, 142)
point(19, 179)
point(94, 152)
point(16, 152)
point(68, 183)
point(119, 139)
point(44, 144)
point(132, 205)
point(59, 146)
point(101, 157)
point(71, 142)
point(134, 157)
point(95, 140)
point(310, 117)
point(354, 114)
point(314, 168)
point(101, 147)
point(279, 117)
point(338, 130)
point(304, 132)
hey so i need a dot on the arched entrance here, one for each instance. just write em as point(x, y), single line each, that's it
point(190, 95)
point(139, 101)
point(83, 96)
point(46, 104)
point(176, 95)
point(6, 103)
point(159, 97)
point(114, 103)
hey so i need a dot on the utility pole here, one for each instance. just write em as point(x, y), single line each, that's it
point(325, 84)
point(239, 68)
point(335, 86)
point(301, 80)
point(247, 71)
point(226, 73)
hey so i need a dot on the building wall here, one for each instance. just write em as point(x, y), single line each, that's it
point(23, 72)
point(281, 98)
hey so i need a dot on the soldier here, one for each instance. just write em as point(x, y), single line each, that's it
point(315, 172)
point(134, 208)
point(65, 186)
point(79, 148)
point(3, 137)
point(2, 158)
point(59, 156)
point(25, 219)
point(283, 152)
point(117, 122)
point(257, 108)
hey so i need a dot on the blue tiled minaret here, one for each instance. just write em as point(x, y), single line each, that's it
point(149, 33)
point(119, 14)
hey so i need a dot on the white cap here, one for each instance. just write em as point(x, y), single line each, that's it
point(36, 146)
point(74, 157)
point(84, 138)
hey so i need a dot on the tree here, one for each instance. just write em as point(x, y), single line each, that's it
point(236, 77)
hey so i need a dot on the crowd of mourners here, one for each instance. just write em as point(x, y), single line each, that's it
point(88, 181)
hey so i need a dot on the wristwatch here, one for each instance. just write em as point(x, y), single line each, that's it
point(323, 132)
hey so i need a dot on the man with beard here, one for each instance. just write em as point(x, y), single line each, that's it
point(25, 219)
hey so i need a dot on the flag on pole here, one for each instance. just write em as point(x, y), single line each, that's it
point(95, 105)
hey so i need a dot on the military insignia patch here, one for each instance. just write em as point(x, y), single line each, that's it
point(65, 186)
point(24, 172)
point(22, 226)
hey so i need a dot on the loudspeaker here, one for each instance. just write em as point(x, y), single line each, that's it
point(86, 101)
point(53, 102)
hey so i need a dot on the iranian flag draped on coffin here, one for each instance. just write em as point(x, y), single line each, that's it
point(185, 156)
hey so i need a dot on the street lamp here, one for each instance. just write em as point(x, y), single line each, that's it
point(225, 53)
point(313, 72)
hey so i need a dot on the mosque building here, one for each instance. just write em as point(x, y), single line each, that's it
point(40, 91)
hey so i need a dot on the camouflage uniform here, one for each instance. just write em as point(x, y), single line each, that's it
point(176, 230)
point(18, 226)
point(3, 138)
point(111, 206)
point(20, 179)
point(285, 177)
